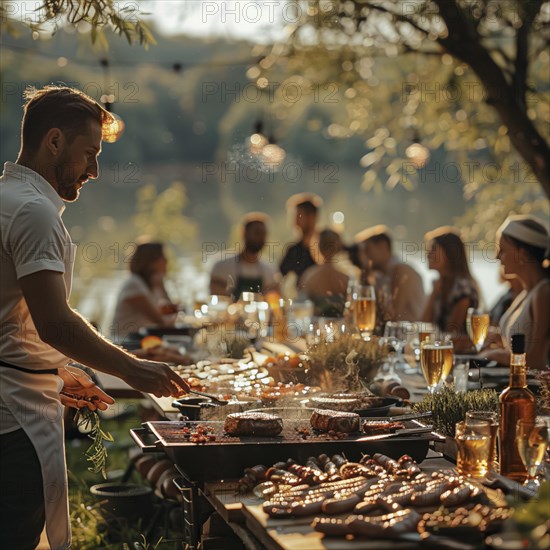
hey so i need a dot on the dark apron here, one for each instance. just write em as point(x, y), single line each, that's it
point(247, 284)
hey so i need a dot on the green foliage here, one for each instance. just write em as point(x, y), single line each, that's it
point(394, 79)
point(160, 215)
point(532, 518)
point(123, 18)
point(449, 407)
point(87, 525)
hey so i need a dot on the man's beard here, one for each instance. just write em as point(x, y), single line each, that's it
point(67, 182)
point(254, 248)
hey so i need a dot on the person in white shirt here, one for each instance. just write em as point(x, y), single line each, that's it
point(246, 272)
point(522, 243)
point(62, 131)
point(143, 300)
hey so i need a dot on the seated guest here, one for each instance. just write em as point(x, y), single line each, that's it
point(143, 300)
point(396, 282)
point(456, 290)
point(324, 284)
point(246, 272)
point(304, 254)
point(522, 243)
point(515, 286)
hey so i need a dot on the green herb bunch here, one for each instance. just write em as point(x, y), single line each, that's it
point(449, 407)
point(89, 422)
point(348, 363)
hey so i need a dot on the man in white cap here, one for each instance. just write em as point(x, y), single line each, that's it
point(304, 254)
point(399, 287)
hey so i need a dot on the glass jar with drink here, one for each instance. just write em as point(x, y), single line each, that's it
point(473, 441)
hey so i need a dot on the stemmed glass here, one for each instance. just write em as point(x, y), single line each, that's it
point(532, 438)
point(432, 359)
point(395, 338)
point(364, 309)
point(477, 324)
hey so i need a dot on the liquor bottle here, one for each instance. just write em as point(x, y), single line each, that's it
point(516, 402)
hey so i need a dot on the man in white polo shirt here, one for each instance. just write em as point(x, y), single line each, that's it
point(62, 131)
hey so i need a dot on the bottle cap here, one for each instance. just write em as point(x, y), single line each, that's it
point(518, 343)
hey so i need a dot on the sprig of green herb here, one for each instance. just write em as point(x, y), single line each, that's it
point(449, 407)
point(89, 422)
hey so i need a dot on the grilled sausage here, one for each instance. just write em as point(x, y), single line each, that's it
point(340, 503)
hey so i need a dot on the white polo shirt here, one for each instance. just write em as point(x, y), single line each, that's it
point(32, 238)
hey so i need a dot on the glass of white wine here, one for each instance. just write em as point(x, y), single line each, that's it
point(364, 309)
point(532, 438)
point(477, 323)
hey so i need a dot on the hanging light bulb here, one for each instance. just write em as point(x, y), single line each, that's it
point(417, 153)
point(112, 131)
point(273, 155)
point(257, 143)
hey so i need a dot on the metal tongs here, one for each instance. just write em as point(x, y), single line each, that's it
point(399, 433)
point(411, 416)
point(213, 398)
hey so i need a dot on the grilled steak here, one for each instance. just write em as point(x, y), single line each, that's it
point(337, 421)
point(378, 427)
point(253, 423)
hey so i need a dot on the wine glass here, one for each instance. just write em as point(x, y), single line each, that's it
point(477, 324)
point(394, 338)
point(432, 359)
point(532, 438)
point(364, 309)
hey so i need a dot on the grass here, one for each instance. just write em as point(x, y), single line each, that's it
point(90, 531)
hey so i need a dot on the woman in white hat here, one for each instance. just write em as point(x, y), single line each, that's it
point(522, 242)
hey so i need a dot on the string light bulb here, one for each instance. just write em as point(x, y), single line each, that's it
point(418, 154)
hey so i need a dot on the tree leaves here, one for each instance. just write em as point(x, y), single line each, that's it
point(124, 19)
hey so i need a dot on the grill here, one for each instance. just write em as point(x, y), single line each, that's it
point(227, 456)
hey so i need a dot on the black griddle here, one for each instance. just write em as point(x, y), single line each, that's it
point(227, 456)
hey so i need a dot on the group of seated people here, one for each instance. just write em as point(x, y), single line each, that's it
point(322, 269)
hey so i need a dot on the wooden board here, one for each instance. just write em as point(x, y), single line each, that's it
point(297, 534)
point(227, 501)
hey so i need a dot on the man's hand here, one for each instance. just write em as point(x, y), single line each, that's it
point(79, 390)
point(157, 378)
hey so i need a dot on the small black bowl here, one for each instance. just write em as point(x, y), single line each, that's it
point(383, 409)
point(191, 406)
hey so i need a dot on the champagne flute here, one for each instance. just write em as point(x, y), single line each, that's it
point(532, 438)
point(364, 309)
point(432, 359)
point(477, 324)
point(448, 357)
